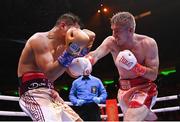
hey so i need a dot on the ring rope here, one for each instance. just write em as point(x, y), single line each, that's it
point(10, 98)
point(172, 97)
point(14, 113)
point(13, 98)
point(154, 110)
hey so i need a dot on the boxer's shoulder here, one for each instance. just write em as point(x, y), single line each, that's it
point(144, 38)
point(145, 41)
point(109, 41)
point(38, 40)
point(149, 43)
point(38, 36)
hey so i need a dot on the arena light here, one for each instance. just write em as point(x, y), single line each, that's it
point(16, 93)
point(144, 14)
point(99, 11)
point(105, 10)
point(106, 82)
point(65, 88)
point(167, 72)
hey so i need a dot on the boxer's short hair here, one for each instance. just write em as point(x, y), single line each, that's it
point(69, 19)
point(124, 19)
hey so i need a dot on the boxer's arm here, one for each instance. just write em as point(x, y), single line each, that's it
point(44, 59)
point(92, 36)
point(152, 61)
point(127, 60)
point(97, 54)
point(101, 51)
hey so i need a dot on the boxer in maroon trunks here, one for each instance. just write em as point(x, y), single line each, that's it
point(45, 57)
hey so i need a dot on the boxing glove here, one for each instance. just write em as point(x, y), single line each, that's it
point(128, 61)
point(80, 66)
point(75, 40)
point(92, 36)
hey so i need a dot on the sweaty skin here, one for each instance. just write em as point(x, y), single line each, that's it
point(145, 51)
point(140, 47)
point(41, 55)
point(41, 52)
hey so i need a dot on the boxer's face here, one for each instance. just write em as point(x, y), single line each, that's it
point(119, 33)
point(63, 27)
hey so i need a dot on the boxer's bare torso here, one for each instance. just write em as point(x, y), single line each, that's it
point(144, 48)
point(39, 51)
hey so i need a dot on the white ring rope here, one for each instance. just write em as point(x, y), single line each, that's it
point(172, 97)
point(14, 113)
point(154, 110)
point(12, 98)
point(166, 109)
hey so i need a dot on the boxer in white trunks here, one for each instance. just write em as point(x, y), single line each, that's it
point(45, 57)
point(136, 58)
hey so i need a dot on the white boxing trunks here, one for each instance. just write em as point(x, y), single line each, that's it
point(137, 93)
point(37, 101)
point(38, 104)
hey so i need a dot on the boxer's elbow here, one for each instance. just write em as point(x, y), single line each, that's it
point(53, 73)
point(53, 70)
point(49, 75)
point(52, 76)
point(153, 76)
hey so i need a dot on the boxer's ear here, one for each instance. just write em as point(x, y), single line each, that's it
point(62, 25)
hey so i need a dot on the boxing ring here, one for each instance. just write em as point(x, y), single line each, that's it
point(104, 116)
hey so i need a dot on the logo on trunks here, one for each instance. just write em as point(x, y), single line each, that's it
point(36, 85)
point(126, 62)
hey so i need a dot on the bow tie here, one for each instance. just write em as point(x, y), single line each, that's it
point(85, 78)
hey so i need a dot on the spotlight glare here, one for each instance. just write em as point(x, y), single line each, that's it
point(99, 11)
point(105, 9)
